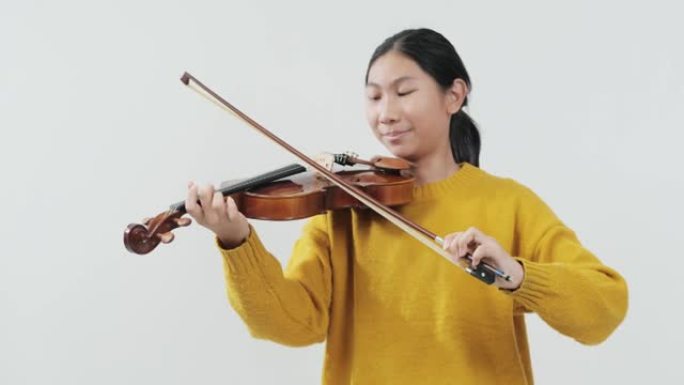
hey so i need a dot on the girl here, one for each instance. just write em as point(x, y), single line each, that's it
point(391, 310)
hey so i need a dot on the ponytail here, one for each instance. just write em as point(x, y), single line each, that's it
point(464, 138)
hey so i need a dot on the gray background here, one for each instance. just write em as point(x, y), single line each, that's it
point(578, 100)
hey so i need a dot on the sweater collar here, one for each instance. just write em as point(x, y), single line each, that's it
point(465, 175)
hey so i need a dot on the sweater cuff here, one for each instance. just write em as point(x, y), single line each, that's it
point(243, 259)
point(535, 285)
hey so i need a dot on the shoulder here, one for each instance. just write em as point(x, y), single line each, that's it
point(503, 185)
point(511, 191)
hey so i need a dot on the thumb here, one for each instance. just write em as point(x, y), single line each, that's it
point(232, 209)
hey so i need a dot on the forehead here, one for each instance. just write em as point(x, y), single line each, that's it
point(393, 67)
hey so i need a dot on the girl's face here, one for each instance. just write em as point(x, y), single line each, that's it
point(406, 108)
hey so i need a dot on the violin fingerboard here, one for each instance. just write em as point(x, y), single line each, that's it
point(262, 179)
point(232, 187)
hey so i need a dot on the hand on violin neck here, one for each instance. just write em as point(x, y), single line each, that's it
point(217, 213)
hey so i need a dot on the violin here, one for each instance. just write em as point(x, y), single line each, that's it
point(271, 197)
point(387, 180)
point(483, 271)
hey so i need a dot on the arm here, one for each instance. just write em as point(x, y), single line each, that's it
point(565, 283)
point(289, 307)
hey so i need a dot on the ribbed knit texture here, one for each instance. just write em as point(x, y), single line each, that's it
point(394, 312)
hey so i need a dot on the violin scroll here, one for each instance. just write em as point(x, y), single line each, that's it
point(143, 238)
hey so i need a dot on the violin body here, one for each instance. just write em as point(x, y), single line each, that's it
point(303, 197)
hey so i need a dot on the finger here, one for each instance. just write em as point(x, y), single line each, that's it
point(182, 222)
point(456, 245)
point(448, 239)
point(206, 195)
point(231, 209)
point(472, 235)
point(218, 205)
point(166, 237)
point(477, 256)
point(460, 252)
point(451, 246)
point(191, 205)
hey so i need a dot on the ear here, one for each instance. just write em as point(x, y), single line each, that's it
point(456, 95)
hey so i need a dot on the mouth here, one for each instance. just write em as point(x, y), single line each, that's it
point(392, 135)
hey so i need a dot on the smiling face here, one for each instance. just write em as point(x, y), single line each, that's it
point(407, 109)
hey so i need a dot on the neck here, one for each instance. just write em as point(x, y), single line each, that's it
point(435, 167)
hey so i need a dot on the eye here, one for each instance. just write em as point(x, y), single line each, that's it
point(404, 93)
point(374, 97)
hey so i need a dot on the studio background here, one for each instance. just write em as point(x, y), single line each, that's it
point(577, 100)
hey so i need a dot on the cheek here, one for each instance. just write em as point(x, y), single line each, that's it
point(371, 117)
point(425, 112)
point(418, 114)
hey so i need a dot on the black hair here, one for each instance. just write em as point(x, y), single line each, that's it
point(435, 55)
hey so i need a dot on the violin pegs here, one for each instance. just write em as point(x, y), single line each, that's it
point(350, 157)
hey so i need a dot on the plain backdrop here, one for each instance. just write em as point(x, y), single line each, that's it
point(579, 100)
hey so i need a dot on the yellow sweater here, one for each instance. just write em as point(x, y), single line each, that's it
point(394, 312)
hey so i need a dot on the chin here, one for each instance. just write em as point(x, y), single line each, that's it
point(401, 151)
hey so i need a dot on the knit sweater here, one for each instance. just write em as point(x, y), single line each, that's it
point(393, 311)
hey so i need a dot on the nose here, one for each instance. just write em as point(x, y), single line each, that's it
point(388, 112)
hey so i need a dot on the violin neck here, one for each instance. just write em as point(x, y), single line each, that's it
point(249, 183)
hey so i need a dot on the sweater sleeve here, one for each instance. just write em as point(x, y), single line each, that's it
point(565, 283)
point(289, 307)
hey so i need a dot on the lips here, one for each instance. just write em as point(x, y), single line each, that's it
point(394, 134)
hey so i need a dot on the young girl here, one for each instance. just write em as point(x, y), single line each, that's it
point(392, 311)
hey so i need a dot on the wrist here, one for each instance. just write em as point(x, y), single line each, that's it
point(517, 273)
point(228, 242)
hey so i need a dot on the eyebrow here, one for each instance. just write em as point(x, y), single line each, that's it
point(394, 82)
